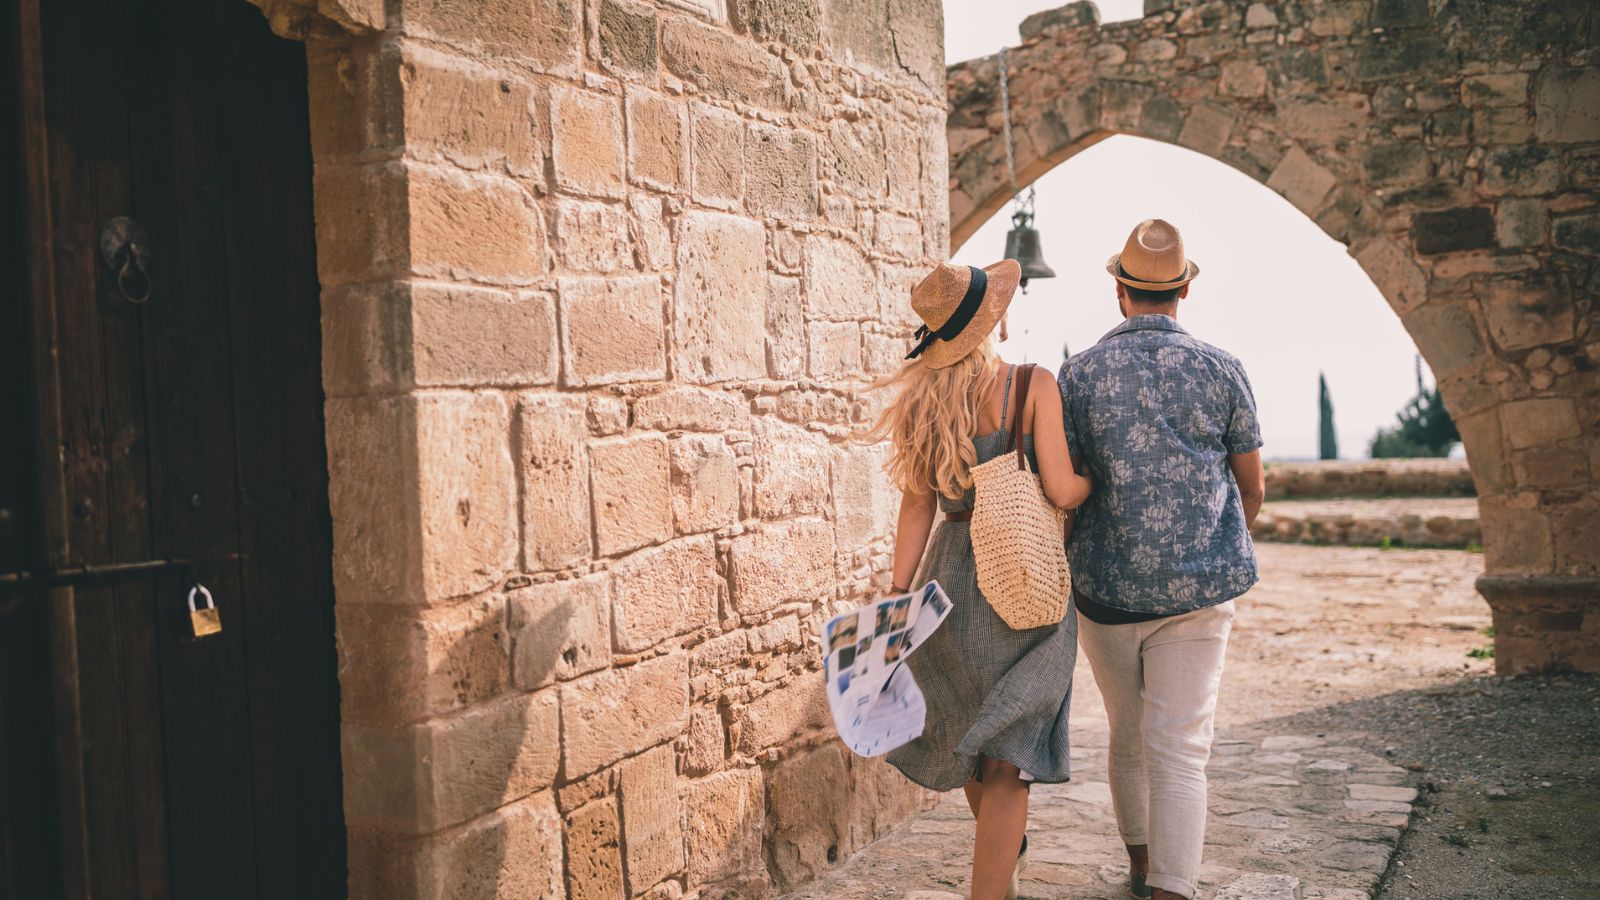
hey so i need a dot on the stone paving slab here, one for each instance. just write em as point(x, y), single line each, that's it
point(1293, 817)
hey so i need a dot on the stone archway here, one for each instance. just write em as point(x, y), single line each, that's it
point(1454, 151)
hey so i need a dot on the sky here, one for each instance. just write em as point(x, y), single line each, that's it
point(1273, 290)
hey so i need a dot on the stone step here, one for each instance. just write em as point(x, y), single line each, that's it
point(1391, 521)
point(1370, 478)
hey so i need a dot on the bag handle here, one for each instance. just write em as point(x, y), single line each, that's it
point(1015, 440)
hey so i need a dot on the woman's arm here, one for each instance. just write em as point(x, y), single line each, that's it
point(1062, 484)
point(911, 536)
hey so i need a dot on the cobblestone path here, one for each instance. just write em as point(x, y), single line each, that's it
point(1294, 816)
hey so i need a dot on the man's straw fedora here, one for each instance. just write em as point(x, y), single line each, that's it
point(959, 306)
point(1153, 259)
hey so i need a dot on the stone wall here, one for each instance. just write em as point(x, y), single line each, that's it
point(1371, 478)
point(603, 281)
point(1454, 147)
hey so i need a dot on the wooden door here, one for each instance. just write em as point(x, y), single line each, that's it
point(161, 427)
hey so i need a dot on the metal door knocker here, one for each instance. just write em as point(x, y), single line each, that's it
point(207, 620)
point(125, 248)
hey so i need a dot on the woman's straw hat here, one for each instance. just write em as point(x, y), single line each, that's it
point(959, 306)
point(1153, 259)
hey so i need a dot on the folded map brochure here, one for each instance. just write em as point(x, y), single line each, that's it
point(872, 694)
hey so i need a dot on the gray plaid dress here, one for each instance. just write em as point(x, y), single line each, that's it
point(991, 691)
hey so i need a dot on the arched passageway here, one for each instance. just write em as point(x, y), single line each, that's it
point(1456, 154)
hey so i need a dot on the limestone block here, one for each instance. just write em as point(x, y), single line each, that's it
point(467, 482)
point(663, 592)
point(426, 777)
point(1396, 273)
point(372, 496)
point(1566, 104)
point(555, 480)
point(560, 630)
point(592, 237)
point(366, 339)
point(611, 330)
point(594, 852)
point(1502, 125)
point(652, 818)
point(1452, 230)
point(470, 120)
point(1524, 170)
point(705, 484)
point(719, 305)
point(1448, 337)
point(776, 718)
point(1161, 118)
point(723, 65)
point(619, 712)
point(781, 167)
point(834, 351)
point(706, 745)
point(881, 354)
point(1260, 15)
point(689, 409)
point(653, 231)
point(1521, 223)
point(513, 853)
point(586, 142)
point(658, 139)
point(1207, 129)
point(856, 157)
point(724, 833)
point(839, 281)
point(1528, 310)
point(625, 33)
point(1531, 423)
point(809, 812)
point(541, 34)
point(400, 665)
point(903, 161)
point(1302, 181)
point(717, 157)
point(898, 235)
point(355, 101)
point(1241, 78)
point(464, 336)
point(1401, 164)
point(1579, 233)
point(782, 563)
point(881, 798)
point(1499, 89)
point(484, 227)
point(786, 328)
point(630, 480)
point(864, 500)
point(791, 470)
point(797, 23)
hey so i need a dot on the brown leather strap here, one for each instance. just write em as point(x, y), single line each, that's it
point(960, 515)
point(1015, 440)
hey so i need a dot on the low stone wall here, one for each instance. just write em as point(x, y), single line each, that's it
point(1400, 522)
point(1374, 478)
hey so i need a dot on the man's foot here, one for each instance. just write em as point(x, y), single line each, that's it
point(1136, 886)
point(1015, 889)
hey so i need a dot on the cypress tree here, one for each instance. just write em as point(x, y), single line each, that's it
point(1329, 442)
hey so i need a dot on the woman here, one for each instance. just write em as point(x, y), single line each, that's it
point(997, 698)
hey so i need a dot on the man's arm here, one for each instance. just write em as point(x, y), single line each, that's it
point(1252, 482)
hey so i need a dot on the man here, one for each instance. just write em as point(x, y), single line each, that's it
point(1167, 425)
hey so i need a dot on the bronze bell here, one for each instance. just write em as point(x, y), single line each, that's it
point(1022, 245)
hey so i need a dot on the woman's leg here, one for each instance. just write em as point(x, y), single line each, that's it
point(974, 791)
point(1002, 819)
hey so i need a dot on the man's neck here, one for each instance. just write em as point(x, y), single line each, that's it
point(1170, 310)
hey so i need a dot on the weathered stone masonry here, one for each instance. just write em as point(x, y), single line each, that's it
point(603, 280)
point(1453, 146)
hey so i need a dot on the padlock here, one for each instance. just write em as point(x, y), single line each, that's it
point(204, 621)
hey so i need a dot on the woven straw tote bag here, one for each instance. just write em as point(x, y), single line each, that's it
point(1017, 534)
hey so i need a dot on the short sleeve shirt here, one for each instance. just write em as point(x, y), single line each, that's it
point(1155, 413)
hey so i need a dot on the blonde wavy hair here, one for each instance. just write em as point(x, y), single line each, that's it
point(931, 420)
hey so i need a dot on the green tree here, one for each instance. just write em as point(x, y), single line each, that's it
point(1328, 440)
point(1424, 427)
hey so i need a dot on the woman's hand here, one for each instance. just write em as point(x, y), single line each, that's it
point(911, 535)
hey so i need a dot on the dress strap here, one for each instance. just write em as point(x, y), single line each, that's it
point(1005, 398)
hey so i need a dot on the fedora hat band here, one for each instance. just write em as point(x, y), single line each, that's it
point(1173, 281)
point(959, 319)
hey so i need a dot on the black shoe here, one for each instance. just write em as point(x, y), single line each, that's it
point(1137, 888)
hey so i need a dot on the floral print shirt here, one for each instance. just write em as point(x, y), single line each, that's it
point(1154, 413)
